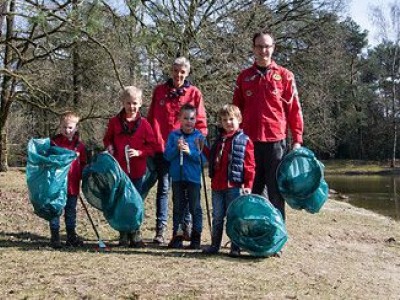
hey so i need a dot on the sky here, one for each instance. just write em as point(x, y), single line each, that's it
point(359, 11)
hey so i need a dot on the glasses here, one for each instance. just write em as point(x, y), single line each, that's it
point(262, 47)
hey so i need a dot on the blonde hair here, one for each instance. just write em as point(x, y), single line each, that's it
point(182, 61)
point(69, 116)
point(129, 92)
point(229, 110)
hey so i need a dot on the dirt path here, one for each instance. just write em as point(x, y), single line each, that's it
point(342, 252)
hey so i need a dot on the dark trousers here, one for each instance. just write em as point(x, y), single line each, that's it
point(267, 157)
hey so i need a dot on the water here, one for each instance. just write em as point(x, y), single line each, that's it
point(380, 194)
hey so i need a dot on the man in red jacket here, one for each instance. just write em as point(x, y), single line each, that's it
point(163, 115)
point(266, 94)
point(69, 138)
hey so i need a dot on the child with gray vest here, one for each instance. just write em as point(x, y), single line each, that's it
point(232, 170)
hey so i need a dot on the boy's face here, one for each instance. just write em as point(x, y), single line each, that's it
point(187, 119)
point(230, 123)
point(68, 128)
point(132, 105)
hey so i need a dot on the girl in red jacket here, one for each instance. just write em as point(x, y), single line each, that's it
point(130, 139)
point(69, 138)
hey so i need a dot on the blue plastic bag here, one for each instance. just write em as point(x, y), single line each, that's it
point(46, 175)
point(107, 187)
point(255, 225)
point(300, 178)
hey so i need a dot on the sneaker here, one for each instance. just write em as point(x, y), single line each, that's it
point(55, 241)
point(234, 253)
point(123, 240)
point(176, 242)
point(210, 250)
point(187, 232)
point(159, 238)
point(135, 240)
point(74, 241)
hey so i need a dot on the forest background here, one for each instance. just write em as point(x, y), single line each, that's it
point(62, 55)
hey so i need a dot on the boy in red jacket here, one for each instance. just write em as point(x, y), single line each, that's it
point(231, 168)
point(130, 139)
point(69, 138)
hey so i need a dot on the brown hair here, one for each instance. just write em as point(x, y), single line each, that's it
point(229, 110)
point(260, 33)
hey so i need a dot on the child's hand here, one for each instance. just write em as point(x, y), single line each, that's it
point(183, 146)
point(133, 152)
point(246, 191)
point(110, 149)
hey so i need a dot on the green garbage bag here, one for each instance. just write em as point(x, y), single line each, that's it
point(107, 187)
point(300, 178)
point(255, 225)
point(46, 176)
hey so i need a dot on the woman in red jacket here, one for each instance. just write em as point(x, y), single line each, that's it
point(163, 116)
point(130, 139)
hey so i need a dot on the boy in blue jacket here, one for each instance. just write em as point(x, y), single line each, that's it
point(183, 153)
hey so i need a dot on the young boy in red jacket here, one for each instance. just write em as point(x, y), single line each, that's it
point(130, 139)
point(231, 168)
point(69, 138)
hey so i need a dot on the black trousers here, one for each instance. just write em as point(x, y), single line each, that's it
point(267, 156)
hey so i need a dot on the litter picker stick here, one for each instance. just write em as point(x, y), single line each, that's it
point(102, 245)
point(128, 165)
point(205, 191)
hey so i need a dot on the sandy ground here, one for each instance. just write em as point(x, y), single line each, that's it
point(342, 252)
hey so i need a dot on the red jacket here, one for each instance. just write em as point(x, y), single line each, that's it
point(138, 135)
point(220, 179)
point(75, 171)
point(163, 113)
point(269, 104)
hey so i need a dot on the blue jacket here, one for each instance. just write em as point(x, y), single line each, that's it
point(191, 168)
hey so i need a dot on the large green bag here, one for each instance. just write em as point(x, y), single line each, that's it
point(107, 187)
point(300, 178)
point(46, 175)
point(255, 225)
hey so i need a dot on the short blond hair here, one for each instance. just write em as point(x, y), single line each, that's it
point(131, 91)
point(69, 116)
point(229, 110)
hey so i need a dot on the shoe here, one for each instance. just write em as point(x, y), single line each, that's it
point(176, 242)
point(211, 250)
point(277, 254)
point(123, 240)
point(135, 240)
point(195, 242)
point(160, 233)
point(234, 253)
point(55, 241)
point(73, 240)
point(187, 232)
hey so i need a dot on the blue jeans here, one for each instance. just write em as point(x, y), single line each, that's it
point(162, 168)
point(186, 194)
point(69, 215)
point(220, 203)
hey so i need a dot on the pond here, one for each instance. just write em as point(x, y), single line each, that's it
point(378, 193)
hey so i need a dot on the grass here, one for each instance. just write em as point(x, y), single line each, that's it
point(342, 252)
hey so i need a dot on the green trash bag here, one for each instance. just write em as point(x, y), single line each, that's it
point(107, 187)
point(255, 225)
point(300, 178)
point(46, 175)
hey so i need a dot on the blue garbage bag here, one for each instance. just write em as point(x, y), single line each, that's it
point(107, 187)
point(300, 178)
point(255, 225)
point(46, 175)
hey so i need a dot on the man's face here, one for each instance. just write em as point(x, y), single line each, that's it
point(132, 105)
point(187, 120)
point(263, 48)
point(179, 74)
point(68, 128)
